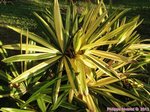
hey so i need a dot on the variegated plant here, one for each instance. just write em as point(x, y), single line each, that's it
point(86, 60)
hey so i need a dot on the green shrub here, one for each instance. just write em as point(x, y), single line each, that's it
point(86, 60)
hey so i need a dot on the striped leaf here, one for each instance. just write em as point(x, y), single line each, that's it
point(109, 55)
point(58, 24)
point(70, 74)
point(29, 57)
point(102, 66)
point(15, 110)
point(31, 72)
point(34, 48)
point(32, 36)
point(107, 80)
point(48, 29)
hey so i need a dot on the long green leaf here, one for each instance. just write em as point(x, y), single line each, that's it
point(102, 66)
point(109, 96)
point(87, 19)
point(38, 93)
point(61, 98)
point(94, 26)
point(58, 24)
point(30, 73)
point(82, 76)
point(75, 19)
point(34, 48)
point(47, 27)
point(97, 44)
point(122, 91)
point(41, 104)
point(109, 55)
point(28, 57)
point(107, 80)
point(77, 40)
point(105, 27)
point(58, 83)
point(117, 31)
point(70, 74)
point(15, 110)
point(63, 104)
point(87, 62)
point(68, 25)
point(32, 36)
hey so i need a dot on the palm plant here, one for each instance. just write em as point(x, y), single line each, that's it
point(86, 60)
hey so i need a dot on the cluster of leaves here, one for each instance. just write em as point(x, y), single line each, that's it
point(85, 61)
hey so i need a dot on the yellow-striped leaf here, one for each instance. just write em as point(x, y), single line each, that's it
point(31, 72)
point(58, 24)
point(28, 57)
point(109, 55)
point(34, 48)
point(32, 36)
point(70, 74)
